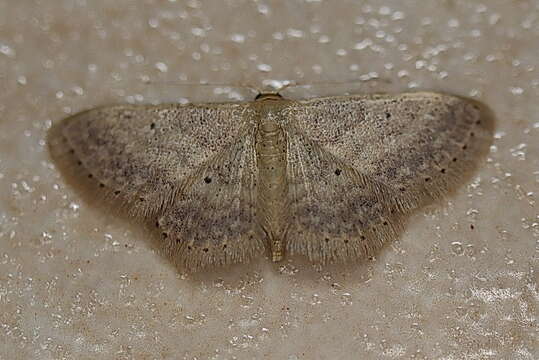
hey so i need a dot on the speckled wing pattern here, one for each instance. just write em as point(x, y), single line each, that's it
point(190, 168)
point(146, 155)
point(355, 165)
point(359, 163)
point(416, 144)
point(214, 220)
point(336, 212)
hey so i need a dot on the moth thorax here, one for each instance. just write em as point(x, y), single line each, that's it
point(270, 138)
point(269, 127)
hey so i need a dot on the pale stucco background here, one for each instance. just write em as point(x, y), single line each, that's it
point(77, 282)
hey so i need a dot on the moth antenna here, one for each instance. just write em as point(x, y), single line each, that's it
point(332, 83)
point(202, 84)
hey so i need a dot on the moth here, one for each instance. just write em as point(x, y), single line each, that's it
point(328, 178)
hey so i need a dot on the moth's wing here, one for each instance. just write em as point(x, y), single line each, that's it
point(214, 221)
point(142, 155)
point(416, 144)
point(336, 213)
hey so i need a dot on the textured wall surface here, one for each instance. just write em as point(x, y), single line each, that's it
point(77, 282)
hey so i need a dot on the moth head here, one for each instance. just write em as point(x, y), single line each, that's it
point(268, 97)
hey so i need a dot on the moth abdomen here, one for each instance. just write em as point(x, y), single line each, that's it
point(273, 187)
